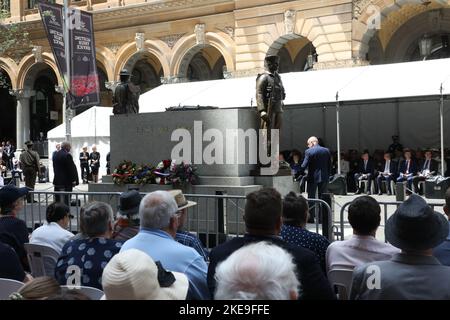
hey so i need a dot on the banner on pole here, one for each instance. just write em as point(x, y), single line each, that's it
point(84, 89)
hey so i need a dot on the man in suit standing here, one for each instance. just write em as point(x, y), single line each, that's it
point(429, 169)
point(387, 173)
point(66, 175)
point(318, 162)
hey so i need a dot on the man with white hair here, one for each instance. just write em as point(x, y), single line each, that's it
point(259, 271)
point(159, 225)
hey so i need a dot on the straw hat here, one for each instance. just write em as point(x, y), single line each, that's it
point(181, 201)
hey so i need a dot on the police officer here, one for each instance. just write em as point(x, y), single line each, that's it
point(29, 160)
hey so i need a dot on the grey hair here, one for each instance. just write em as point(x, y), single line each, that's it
point(65, 145)
point(156, 209)
point(95, 218)
point(259, 271)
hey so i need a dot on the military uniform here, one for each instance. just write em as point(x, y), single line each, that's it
point(30, 163)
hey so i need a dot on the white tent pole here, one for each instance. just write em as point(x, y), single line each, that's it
point(442, 130)
point(338, 135)
point(66, 106)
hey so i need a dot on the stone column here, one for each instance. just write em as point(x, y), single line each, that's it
point(22, 115)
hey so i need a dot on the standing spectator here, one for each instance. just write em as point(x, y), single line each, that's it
point(58, 147)
point(108, 163)
point(9, 152)
point(413, 274)
point(90, 254)
point(133, 275)
point(66, 175)
point(395, 146)
point(30, 163)
point(84, 164)
point(13, 231)
point(442, 252)
point(263, 222)
point(293, 231)
point(127, 222)
point(364, 217)
point(94, 159)
point(54, 233)
point(182, 236)
point(259, 271)
point(159, 225)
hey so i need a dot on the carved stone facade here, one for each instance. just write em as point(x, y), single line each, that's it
point(200, 35)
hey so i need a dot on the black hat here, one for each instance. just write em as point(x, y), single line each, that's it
point(10, 193)
point(273, 59)
point(125, 72)
point(129, 203)
point(28, 143)
point(415, 226)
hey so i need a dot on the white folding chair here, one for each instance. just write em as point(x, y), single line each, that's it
point(92, 293)
point(8, 286)
point(342, 280)
point(42, 259)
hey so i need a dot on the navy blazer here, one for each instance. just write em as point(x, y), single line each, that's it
point(314, 284)
point(412, 167)
point(392, 167)
point(318, 161)
point(434, 166)
point(65, 169)
point(370, 168)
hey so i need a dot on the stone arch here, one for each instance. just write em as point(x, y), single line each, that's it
point(106, 57)
point(128, 53)
point(369, 16)
point(187, 48)
point(10, 68)
point(28, 69)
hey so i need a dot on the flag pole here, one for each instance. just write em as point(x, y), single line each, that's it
point(67, 82)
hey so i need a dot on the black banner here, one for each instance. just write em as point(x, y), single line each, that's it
point(84, 89)
point(85, 85)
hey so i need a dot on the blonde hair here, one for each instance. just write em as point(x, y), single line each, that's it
point(39, 288)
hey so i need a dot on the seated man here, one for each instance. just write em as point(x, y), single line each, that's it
point(293, 231)
point(263, 223)
point(54, 233)
point(259, 271)
point(386, 173)
point(364, 217)
point(156, 237)
point(365, 173)
point(184, 237)
point(413, 274)
point(407, 170)
point(429, 169)
point(83, 260)
point(442, 252)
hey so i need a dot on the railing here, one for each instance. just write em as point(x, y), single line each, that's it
point(214, 219)
point(386, 210)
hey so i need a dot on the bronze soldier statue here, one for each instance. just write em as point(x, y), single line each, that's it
point(269, 96)
point(126, 95)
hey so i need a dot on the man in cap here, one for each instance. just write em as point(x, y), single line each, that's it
point(269, 96)
point(30, 163)
point(413, 274)
point(128, 222)
point(182, 236)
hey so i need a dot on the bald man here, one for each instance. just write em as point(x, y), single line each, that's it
point(318, 162)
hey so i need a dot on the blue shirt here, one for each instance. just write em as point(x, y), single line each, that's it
point(191, 240)
point(174, 256)
point(442, 251)
point(310, 240)
point(90, 255)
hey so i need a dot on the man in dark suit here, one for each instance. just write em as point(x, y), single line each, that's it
point(407, 170)
point(263, 223)
point(66, 175)
point(387, 173)
point(365, 172)
point(318, 162)
point(429, 169)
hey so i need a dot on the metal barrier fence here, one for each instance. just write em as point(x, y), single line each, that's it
point(387, 208)
point(214, 219)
